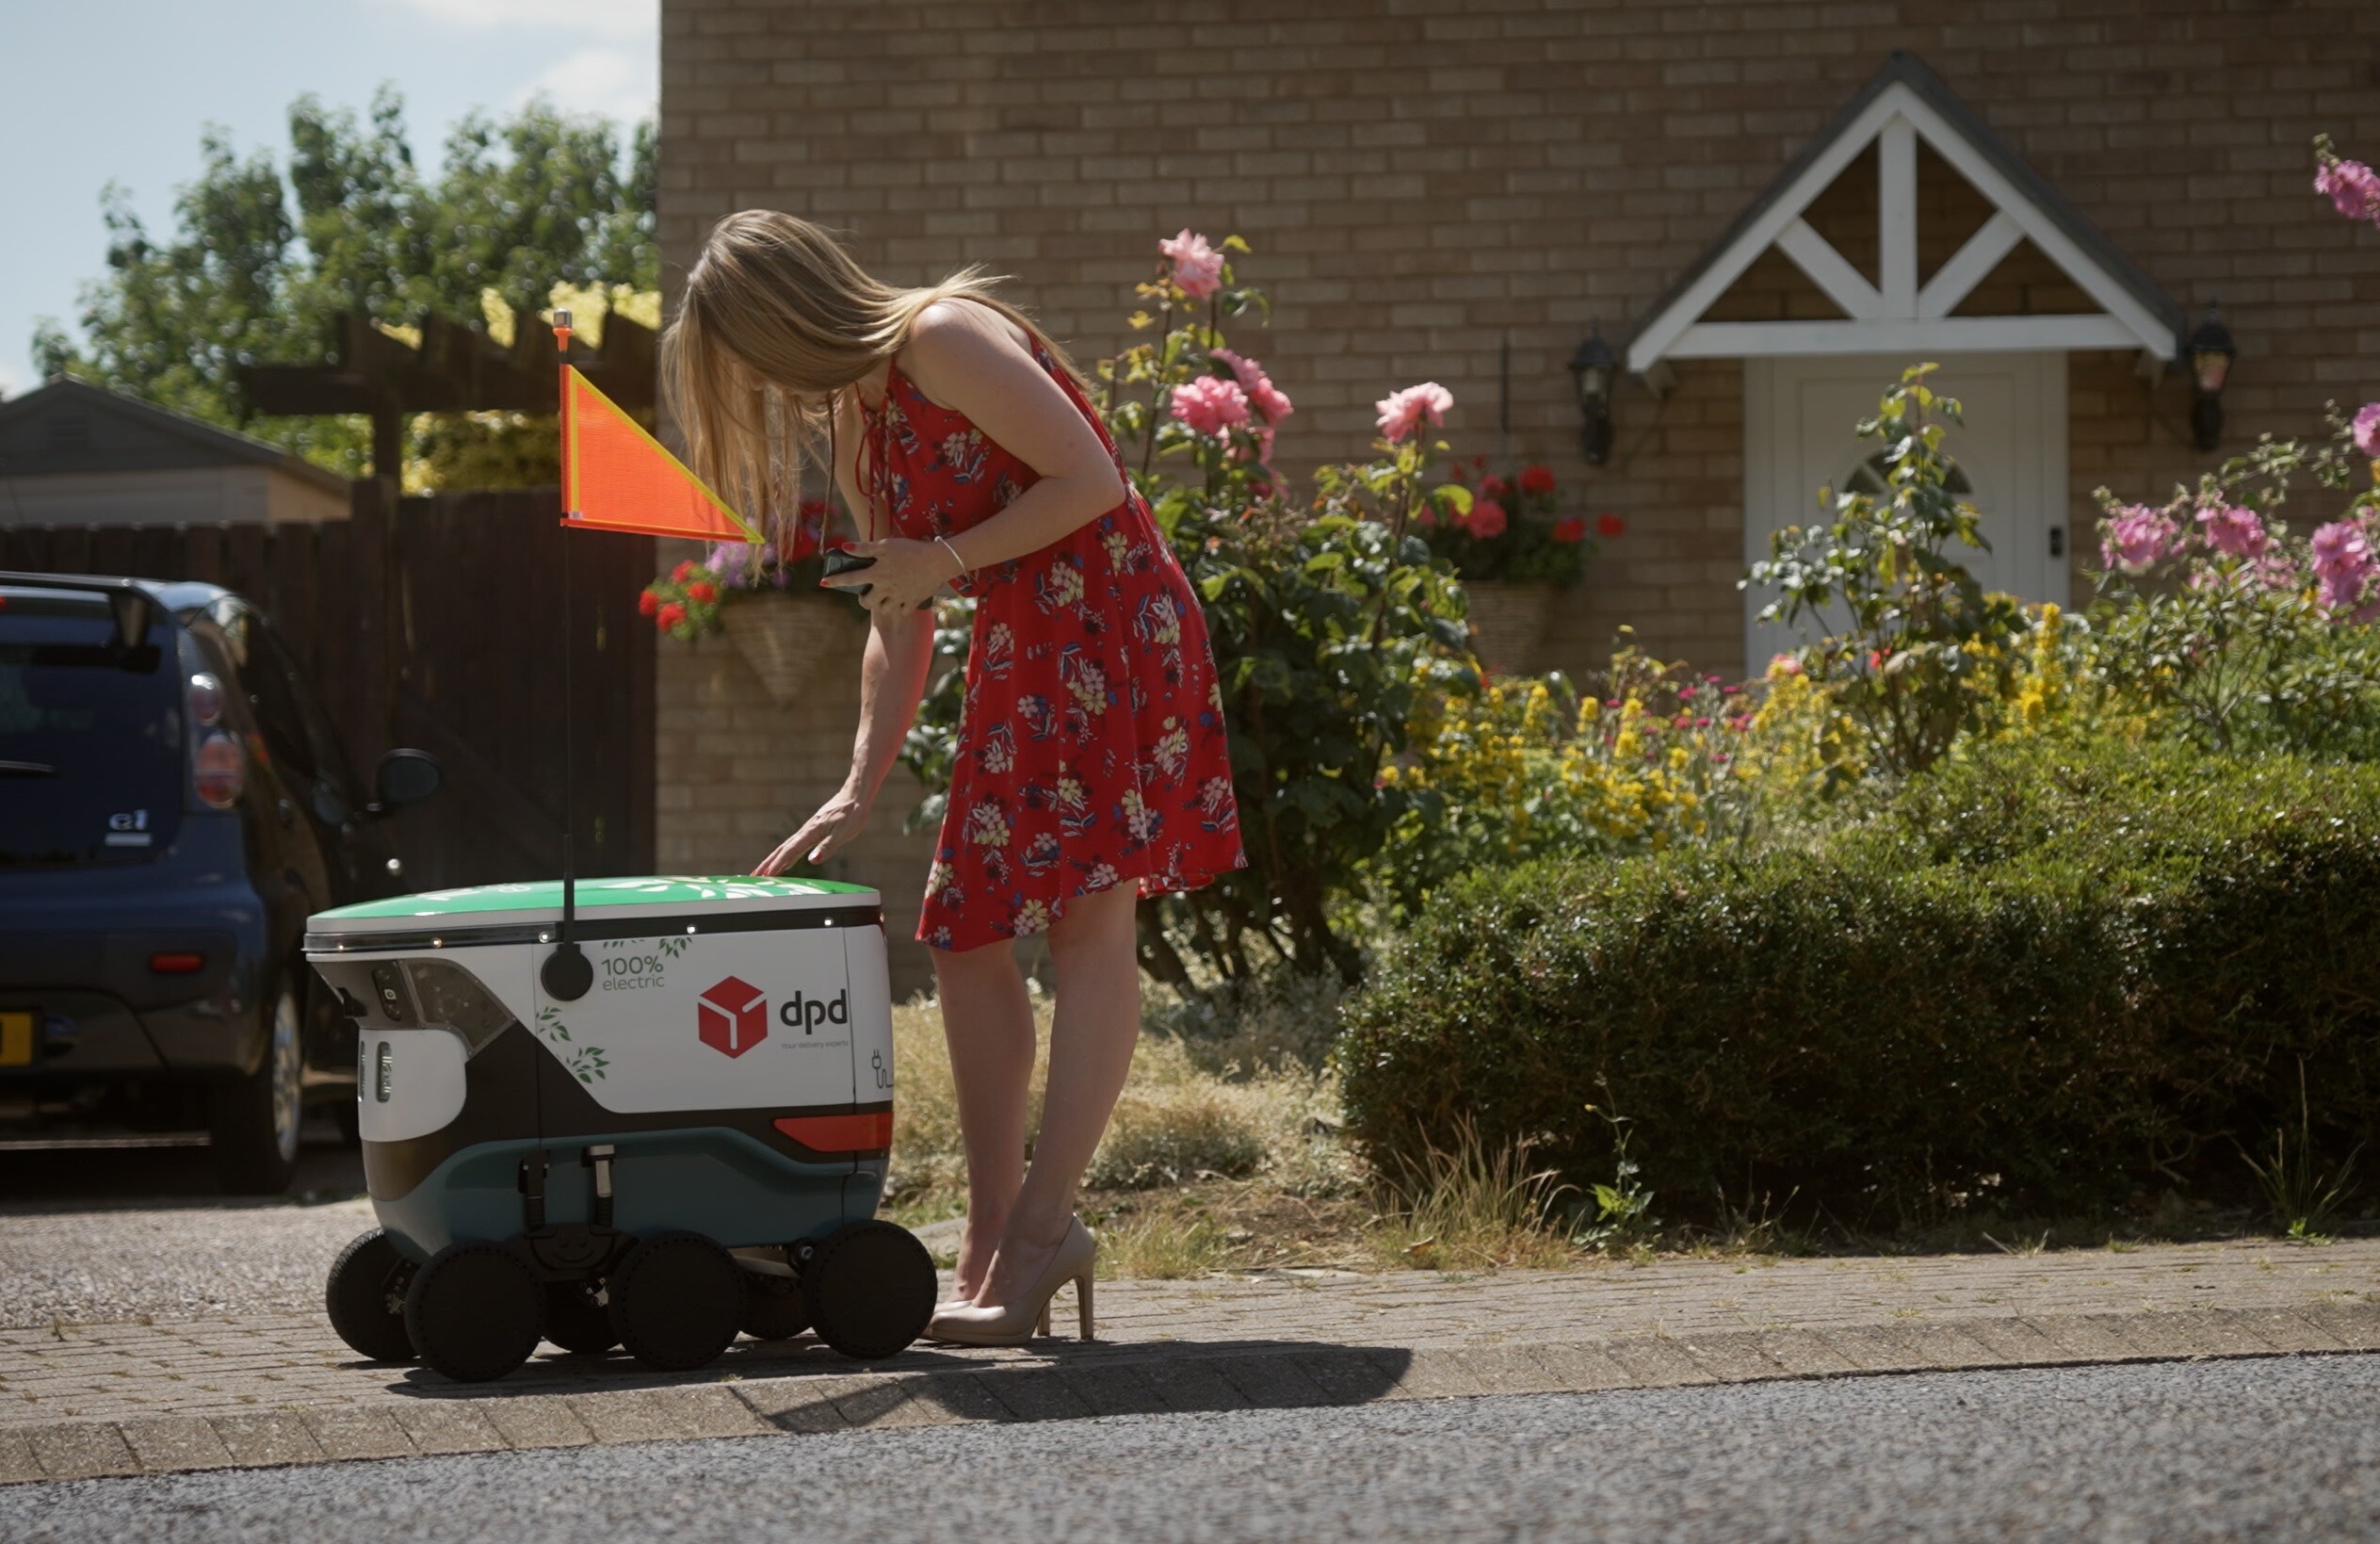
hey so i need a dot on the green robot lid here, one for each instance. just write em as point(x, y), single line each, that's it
point(603, 904)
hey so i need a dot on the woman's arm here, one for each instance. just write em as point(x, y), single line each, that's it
point(971, 359)
point(891, 680)
point(893, 671)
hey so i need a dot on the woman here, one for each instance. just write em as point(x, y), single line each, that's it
point(1091, 770)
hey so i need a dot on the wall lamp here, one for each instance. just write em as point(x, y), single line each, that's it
point(1593, 370)
point(2211, 351)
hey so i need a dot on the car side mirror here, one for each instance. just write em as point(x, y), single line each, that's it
point(406, 777)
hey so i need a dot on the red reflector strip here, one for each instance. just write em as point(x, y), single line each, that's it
point(177, 965)
point(840, 1133)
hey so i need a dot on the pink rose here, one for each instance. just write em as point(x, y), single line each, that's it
point(1272, 403)
point(2234, 532)
point(2136, 538)
point(2352, 188)
point(1210, 405)
point(1197, 267)
point(1403, 411)
point(1486, 520)
point(2343, 561)
point(2368, 431)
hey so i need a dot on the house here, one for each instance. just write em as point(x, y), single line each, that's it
point(1764, 208)
point(73, 454)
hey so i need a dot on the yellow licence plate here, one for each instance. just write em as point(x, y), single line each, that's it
point(16, 1040)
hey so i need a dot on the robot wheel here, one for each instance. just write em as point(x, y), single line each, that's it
point(476, 1311)
point(676, 1301)
point(575, 1320)
point(869, 1288)
point(774, 1307)
point(365, 1296)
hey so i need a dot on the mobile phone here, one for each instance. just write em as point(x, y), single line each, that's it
point(839, 562)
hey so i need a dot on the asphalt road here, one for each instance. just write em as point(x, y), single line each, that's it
point(2265, 1449)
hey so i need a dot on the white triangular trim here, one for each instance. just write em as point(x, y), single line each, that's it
point(1895, 315)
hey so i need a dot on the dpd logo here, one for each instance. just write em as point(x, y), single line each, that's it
point(807, 1013)
point(735, 1017)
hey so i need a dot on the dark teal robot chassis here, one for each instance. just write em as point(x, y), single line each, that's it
point(694, 1145)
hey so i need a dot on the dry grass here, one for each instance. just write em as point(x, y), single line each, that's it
point(1473, 1209)
point(1179, 1121)
point(1165, 1244)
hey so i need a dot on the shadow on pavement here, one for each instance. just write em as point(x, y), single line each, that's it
point(145, 1178)
point(792, 1382)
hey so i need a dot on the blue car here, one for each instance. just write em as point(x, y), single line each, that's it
point(174, 806)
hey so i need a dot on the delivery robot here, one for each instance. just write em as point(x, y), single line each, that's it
point(649, 1119)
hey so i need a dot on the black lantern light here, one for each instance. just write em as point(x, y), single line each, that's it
point(2211, 351)
point(1593, 370)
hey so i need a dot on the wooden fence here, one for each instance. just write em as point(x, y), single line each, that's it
point(438, 622)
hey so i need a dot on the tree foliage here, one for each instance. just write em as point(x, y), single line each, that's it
point(262, 259)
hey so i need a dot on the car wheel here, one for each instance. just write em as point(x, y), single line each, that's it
point(253, 1120)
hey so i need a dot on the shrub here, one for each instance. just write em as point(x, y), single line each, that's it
point(2055, 970)
point(1915, 652)
point(2212, 612)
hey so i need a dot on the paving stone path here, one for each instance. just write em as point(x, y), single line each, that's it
point(266, 1382)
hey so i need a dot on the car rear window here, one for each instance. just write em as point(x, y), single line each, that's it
point(90, 734)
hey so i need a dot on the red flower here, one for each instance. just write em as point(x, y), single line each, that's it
point(1572, 530)
point(648, 603)
point(671, 616)
point(1608, 526)
point(1536, 480)
point(680, 573)
point(1493, 487)
point(1486, 521)
point(701, 592)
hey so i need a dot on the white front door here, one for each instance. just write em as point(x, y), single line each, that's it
point(1800, 422)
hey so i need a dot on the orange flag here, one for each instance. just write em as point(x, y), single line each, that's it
point(616, 476)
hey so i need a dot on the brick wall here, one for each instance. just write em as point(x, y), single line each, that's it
point(1419, 180)
point(736, 772)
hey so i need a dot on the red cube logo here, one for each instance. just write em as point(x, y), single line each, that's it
point(735, 1017)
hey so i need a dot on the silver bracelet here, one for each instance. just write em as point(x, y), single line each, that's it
point(945, 544)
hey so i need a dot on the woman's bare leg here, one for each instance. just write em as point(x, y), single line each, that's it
point(987, 1020)
point(1090, 1045)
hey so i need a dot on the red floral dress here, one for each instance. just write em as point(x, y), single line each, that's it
point(1091, 750)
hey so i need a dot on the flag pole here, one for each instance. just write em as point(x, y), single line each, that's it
point(567, 974)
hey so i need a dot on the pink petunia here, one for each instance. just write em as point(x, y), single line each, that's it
point(1486, 521)
point(2136, 538)
point(2352, 188)
point(1210, 405)
point(2234, 532)
point(1197, 267)
point(1404, 411)
point(2368, 431)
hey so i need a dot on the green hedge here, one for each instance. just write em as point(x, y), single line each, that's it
point(2054, 973)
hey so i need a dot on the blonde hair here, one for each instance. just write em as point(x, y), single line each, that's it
point(780, 297)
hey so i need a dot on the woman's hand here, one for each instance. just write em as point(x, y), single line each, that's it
point(838, 821)
point(904, 576)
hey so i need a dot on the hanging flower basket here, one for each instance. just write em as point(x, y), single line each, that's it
point(794, 641)
point(1507, 620)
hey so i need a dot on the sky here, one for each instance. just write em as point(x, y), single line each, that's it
point(99, 91)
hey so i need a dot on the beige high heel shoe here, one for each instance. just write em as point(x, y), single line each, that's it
point(1016, 1323)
